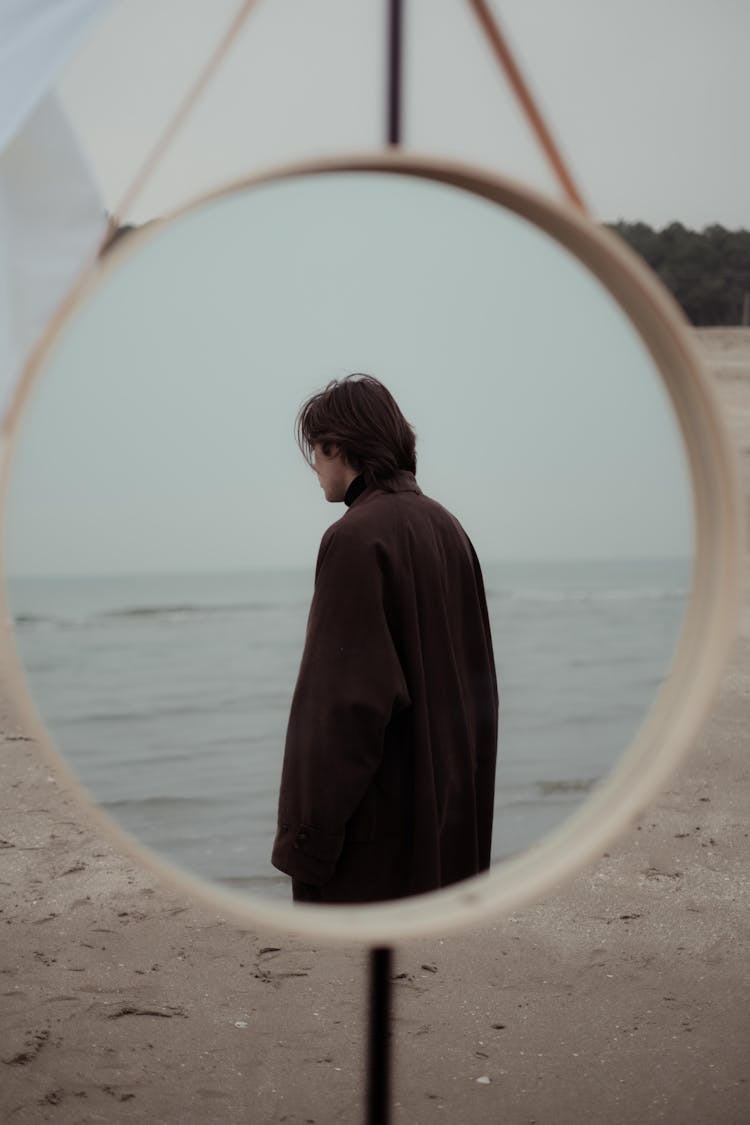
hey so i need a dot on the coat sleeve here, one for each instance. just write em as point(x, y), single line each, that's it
point(349, 686)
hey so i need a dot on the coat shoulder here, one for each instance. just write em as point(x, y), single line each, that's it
point(386, 520)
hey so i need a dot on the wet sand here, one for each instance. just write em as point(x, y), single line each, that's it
point(622, 999)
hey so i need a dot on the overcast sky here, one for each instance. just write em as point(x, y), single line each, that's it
point(161, 438)
point(648, 98)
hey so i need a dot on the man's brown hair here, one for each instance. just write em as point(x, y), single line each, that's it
point(362, 417)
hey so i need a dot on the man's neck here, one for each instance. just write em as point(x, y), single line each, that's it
point(355, 489)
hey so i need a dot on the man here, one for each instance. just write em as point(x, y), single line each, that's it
point(387, 786)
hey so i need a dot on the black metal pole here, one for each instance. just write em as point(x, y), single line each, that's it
point(395, 52)
point(379, 1045)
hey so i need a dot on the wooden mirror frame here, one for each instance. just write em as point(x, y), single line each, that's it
point(684, 699)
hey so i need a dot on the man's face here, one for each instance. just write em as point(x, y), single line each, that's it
point(334, 474)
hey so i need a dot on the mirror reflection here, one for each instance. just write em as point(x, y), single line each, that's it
point(162, 527)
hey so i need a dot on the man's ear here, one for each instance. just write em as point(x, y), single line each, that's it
point(332, 449)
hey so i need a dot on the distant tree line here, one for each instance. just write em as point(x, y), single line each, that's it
point(708, 271)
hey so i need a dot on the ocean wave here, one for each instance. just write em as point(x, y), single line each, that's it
point(164, 802)
point(252, 882)
point(564, 786)
point(176, 612)
point(597, 661)
point(173, 711)
point(147, 611)
point(37, 620)
point(613, 595)
point(189, 609)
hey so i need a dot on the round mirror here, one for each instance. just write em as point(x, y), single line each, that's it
point(161, 526)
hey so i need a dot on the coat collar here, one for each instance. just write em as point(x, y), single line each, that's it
point(401, 481)
point(404, 481)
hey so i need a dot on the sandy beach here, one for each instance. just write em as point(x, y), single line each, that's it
point(621, 999)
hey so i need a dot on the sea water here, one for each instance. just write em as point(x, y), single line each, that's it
point(169, 694)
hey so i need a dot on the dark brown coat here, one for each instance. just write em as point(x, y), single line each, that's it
point(388, 781)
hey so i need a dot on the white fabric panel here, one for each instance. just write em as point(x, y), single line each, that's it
point(51, 223)
point(36, 39)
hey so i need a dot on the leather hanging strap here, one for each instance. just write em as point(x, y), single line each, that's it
point(176, 121)
point(491, 29)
